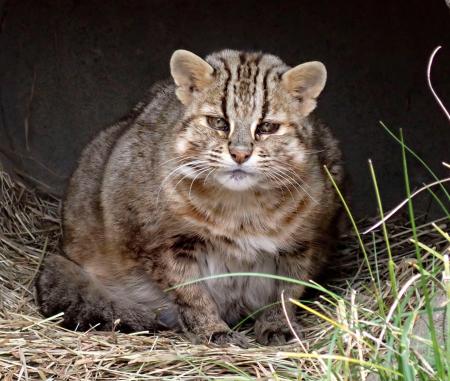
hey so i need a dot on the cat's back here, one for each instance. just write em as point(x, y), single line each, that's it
point(103, 157)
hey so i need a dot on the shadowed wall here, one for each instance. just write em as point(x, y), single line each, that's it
point(70, 68)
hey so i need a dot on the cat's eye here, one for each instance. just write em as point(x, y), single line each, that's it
point(218, 123)
point(267, 128)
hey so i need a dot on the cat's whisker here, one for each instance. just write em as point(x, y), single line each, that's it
point(310, 152)
point(289, 167)
point(179, 181)
point(193, 181)
point(291, 180)
point(297, 176)
point(206, 178)
point(173, 172)
point(191, 163)
point(274, 179)
point(285, 186)
point(279, 176)
point(285, 179)
point(183, 177)
point(282, 170)
point(177, 159)
point(167, 177)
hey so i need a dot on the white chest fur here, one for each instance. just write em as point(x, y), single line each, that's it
point(238, 296)
point(250, 244)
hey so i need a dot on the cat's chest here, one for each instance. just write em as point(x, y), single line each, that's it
point(252, 224)
point(246, 238)
point(236, 296)
point(254, 244)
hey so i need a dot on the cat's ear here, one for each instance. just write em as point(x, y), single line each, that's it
point(306, 82)
point(190, 73)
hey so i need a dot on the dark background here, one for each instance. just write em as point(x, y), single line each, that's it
point(70, 68)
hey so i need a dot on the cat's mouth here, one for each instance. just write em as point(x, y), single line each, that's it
point(237, 179)
point(239, 174)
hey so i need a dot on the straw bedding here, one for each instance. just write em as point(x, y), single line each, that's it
point(34, 348)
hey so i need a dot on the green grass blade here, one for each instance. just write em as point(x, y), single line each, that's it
point(391, 265)
point(417, 157)
point(366, 364)
point(330, 352)
point(314, 286)
point(423, 284)
point(405, 361)
point(439, 202)
point(254, 313)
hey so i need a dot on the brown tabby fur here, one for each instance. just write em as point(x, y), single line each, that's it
point(135, 225)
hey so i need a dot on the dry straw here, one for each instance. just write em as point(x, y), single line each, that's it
point(34, 348)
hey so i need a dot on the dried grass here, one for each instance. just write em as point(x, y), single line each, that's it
point(32, 347)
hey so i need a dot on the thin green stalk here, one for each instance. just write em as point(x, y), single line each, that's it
point(366, 364)
point(381, 306)
point(330, 353)
point(441, 232)
point(428, 249)
point(446, 281)
point(254, 313)
point(232, 367)
point(404, 360)
point(391, 265)
point(417, 157)
point(423, 283)
point(439, 202)
point(314, 285)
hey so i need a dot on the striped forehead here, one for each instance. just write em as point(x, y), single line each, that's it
point(247, 81)
point(245, 84)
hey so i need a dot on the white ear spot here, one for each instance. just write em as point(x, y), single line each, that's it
point(306, 80)
point(190, 73)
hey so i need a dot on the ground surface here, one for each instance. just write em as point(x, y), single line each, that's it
point(32, 347)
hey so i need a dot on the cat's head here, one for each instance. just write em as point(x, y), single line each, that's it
point(244, 124)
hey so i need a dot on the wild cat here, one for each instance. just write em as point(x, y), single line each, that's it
point(218, 172)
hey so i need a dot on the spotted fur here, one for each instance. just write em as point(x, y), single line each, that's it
point(162, 198)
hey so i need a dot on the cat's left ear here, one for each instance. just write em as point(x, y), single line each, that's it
point(306, 82)
point(190, 73)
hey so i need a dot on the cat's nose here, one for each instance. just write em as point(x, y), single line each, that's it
point(240, 154)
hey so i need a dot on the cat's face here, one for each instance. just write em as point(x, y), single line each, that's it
point(243, 124)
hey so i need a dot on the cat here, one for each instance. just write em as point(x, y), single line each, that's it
point(220, 170)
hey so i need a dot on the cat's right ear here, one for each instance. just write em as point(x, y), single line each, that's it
point(190, 73)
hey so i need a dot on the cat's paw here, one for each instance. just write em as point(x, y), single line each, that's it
point(275, 332)
point(230, 337)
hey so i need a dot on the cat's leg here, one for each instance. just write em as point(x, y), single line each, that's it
point(200, 319)
point(128, 303)
point(198, 313)
point(271, 327)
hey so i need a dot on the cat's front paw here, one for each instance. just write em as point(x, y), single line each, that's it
point(219, 335)
point(275, 332)
point(228, 337)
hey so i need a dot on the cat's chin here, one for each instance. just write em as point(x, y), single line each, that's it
point(237, 180)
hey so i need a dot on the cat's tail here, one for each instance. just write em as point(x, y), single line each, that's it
point(129, 304)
